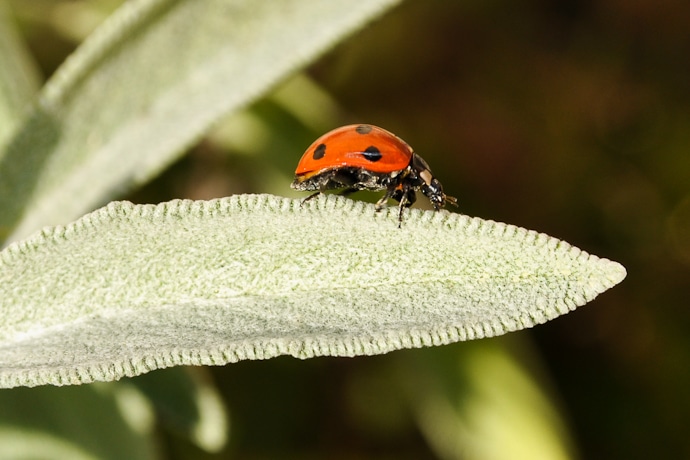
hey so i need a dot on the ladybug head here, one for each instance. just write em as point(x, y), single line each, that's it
point(433, 190)
point(430, 186)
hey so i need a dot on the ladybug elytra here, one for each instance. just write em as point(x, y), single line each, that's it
point(366, 157)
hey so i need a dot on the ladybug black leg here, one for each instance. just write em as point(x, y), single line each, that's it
point(410, 198)
point(309, 198)
point(382, 202)
point(407, 199)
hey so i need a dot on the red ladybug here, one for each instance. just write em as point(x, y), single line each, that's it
point(366, 157)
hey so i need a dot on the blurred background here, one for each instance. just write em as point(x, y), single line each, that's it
point(570, 118)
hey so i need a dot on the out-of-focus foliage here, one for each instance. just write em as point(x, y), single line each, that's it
point(18, 79)
point(111, 116)
point(570, 118)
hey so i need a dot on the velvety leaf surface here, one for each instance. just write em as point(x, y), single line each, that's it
point(132, 288)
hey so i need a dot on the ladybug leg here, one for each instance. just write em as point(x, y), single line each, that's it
point(407, 199)
point(322, 189)
point(315, 194)
point(332, 180)
point(390, 192)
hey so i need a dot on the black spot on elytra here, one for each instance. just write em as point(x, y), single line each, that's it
point(372, 154)
point(319, 152)
point(363, 129)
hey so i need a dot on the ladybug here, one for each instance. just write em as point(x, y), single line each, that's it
point(366, 157)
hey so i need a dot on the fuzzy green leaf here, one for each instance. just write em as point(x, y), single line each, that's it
point(132, 288)
point(148, 83)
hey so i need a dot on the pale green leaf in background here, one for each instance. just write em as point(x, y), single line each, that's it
point(78, 423)
point(133, 288)
point(19, 80)
point(187, 404)
point(148, 83)
point(480, 402)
